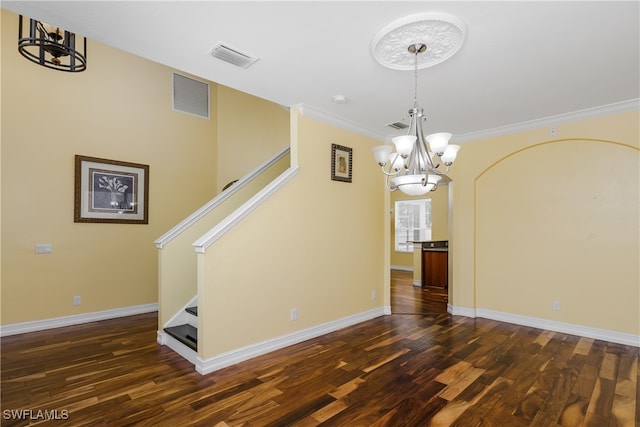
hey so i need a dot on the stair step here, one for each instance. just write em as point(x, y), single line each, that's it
point(192, 310)
point(186, 334)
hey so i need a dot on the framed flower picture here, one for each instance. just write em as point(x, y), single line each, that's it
point(111, 191)
point(341, 163)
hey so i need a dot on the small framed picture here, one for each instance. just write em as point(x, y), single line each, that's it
point(341, 163)
point(111, 191)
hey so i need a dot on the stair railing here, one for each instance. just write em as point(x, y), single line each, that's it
point(177, 260)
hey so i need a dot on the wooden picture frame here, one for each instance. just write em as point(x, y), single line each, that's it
point(341, 163)
point(111, 191)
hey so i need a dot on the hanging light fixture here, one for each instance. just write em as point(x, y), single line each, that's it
point(418, 163)
point(51, 46)
point(416, 167)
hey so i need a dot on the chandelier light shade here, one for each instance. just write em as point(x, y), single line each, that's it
point(418, 163)
point(51, 46)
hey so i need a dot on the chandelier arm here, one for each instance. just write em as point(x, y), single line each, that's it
point(43, 30)
point(441, 163)
point(388, 185)
point(389, 172)
point(424, 151)
point(424, 146)
point(412, 161)
point(418, 160)
point(420, 148)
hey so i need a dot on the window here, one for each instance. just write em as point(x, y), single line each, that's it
point(413, 223)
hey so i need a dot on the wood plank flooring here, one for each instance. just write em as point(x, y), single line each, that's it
point(399, 370)
point(409, 299)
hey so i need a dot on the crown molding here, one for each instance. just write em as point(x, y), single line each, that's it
point(325, 117)
point(588, 113)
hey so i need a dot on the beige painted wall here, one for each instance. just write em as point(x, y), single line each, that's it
point(439, 224)
point(540, 219)
point(316, 245)
point(119, 108)
point(250, 131)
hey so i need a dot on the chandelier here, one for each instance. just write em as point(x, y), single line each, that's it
point(51, 47)
point(418, 162)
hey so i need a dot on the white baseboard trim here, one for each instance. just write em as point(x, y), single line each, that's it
point(76, 319)
point(175, 345)
point(401, 268)
point(551, 325)
point(245, 353)
point(161, 337)
point(461, 311)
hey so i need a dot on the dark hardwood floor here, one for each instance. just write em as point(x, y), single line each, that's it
point(400, 370)
point(409, 299)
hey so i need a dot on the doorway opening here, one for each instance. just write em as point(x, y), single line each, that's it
point(409, 299)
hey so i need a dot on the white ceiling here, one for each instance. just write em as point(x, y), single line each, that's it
point(521, 61)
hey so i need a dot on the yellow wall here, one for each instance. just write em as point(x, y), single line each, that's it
point(250, 131)
point(439, 224)
point(119, 108)
point(540, 219)
point(316, 245)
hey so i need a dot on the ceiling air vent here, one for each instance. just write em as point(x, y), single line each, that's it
point(232, 56)
point(398, 125)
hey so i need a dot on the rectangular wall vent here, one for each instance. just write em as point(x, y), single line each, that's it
point(398, 125)
point(232, 56)
point(190, 96)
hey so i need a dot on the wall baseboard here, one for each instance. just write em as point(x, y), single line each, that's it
point(551, 325)
point(76, 319)
point(401, 267)
point(165, 339)
point(245, 353)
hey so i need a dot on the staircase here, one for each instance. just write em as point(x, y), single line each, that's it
point(179, 250)
point(186, 333)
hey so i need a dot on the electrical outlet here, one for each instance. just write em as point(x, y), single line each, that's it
point(44, 248)
point(77, 300)
point(556, 305)
point(294, 314)
point(374, 295)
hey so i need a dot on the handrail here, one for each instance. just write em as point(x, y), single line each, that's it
point(216, 201)
point(236, 216)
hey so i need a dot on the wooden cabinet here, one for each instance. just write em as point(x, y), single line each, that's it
point(435, 268)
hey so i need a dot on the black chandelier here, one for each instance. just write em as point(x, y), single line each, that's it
point(51, 47)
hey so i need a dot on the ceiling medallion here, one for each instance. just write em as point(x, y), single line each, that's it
point(443, 35)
